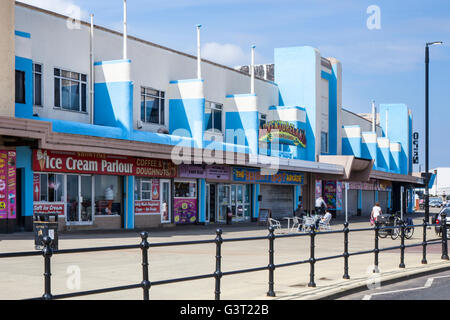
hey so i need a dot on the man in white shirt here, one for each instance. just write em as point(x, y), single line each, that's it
point(321, 205)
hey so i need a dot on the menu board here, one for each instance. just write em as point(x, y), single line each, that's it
point(185, 210)
point(11, 187)
point(3, 184)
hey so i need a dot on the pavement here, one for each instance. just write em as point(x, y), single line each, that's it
point(22, 278)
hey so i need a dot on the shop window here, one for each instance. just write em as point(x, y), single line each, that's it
point(50, 189)
point(185, 189)
point(108, 195)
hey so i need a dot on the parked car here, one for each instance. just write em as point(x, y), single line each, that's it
point(435, 204)
point(437, 220)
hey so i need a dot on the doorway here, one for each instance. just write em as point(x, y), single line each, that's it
point(79, 200)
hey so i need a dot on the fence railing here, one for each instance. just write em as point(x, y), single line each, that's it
point(47, 252)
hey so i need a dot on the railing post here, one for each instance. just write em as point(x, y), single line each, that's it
point(218, 272)
point(312, 259)
point(47, 252)
point(145, 245)
point(271, 266)
point(424, 242)
point(376, 249)
point(402, 245)
point(346, 255)
point(444, 236)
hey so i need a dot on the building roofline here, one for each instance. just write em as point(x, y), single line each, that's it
point(343, 109)
point(28, 6)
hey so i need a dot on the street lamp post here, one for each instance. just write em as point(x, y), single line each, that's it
point(427, 62)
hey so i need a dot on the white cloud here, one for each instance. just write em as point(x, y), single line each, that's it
point(65, 7)
point(227, 54)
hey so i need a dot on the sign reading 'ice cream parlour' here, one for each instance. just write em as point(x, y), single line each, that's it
point(99, 163)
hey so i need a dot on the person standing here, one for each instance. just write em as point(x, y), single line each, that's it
point(321, 205)
point(376, 212)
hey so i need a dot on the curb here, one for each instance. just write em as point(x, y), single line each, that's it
point(386, 280)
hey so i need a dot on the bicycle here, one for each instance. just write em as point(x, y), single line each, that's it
point(395, 223)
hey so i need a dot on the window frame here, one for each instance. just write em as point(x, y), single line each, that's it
point(161, 96)
point(213, 107)
point(79, 81)
point(322, 133)
point(41, 73)
point(23, 93)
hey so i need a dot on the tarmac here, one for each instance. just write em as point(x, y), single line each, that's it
point(22, 278)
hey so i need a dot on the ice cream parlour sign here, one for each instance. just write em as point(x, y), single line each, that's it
point(99, 163)
point(284, 131)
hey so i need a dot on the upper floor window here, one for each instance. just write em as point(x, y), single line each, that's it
point(20, 86)
point(323, 142)
point(262, 120)
point(152, 106)
point(37, 84)
point(213, 116)
point(70, 90)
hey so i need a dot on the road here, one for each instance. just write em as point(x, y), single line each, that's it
point(430, 287)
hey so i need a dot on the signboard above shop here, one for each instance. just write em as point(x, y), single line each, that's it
point(204, 172)
point(284, 131)
point(99, 163)
point(280, 177)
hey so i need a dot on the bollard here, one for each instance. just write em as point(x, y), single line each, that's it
point(402, 245)
point(346, 255)
point(376, 250)
point(271, 266)
point(312, 260)
point(444, 236)
point(145, 281)
point(218, 272)
point(424, 242)
point(47, 252)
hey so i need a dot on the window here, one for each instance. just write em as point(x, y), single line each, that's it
point(70, 90)
point(20, 86)
point(324, 142)
point(51, 188)
point(108, 193)
point(152, 106)
point(37, 84)
point(213, 117)
point(262, 120)
point(185, 190)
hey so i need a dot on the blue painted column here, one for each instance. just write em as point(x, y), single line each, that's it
point(24, 63)
point(360, 199)
point(129, 203)
point(389, 199)
point(255, 207)
point(187, 109)
point(297, 193)
point(242, 123)
point(376, 195)
point(202, 200)
point(114, 95)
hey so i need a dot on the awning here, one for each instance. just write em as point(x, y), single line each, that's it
point(355, 169)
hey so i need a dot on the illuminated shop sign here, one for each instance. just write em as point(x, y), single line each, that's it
point(98, 163)
point(284, 131)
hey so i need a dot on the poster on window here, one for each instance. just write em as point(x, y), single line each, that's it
point(339, 195)
point(330, 194)
point(3, 185)
point(146, 207)
point(155, 189)
point(185, 210)
point(318, 189)
point(36, 188)
point(12, 208)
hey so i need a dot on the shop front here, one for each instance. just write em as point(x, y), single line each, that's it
point(280, 192)
point(332, 192)
point(100, 191)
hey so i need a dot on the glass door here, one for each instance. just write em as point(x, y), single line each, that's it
point(79, 199)
point(239, 205)
point(208, 201)
point(224, 201)
point(165, 201)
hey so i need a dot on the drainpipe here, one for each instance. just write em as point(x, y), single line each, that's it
point(199, 59)
point(91, 91)
point(252, 72)
point(125, 35)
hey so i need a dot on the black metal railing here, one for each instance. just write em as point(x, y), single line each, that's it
point(219, 241)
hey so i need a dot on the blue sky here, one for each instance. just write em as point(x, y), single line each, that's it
point(385, 65)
